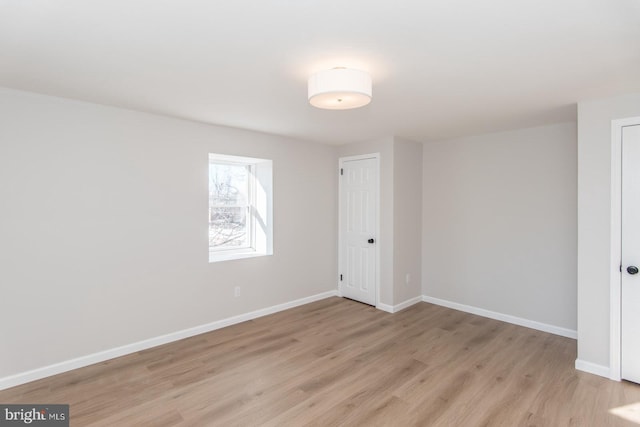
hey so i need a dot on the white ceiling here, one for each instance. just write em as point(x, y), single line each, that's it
point(440, 69)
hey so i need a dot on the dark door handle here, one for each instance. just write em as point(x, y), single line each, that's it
point(373, 241)
point(632, 269)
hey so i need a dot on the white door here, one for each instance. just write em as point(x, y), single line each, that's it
point(630, 293)
point(358, 224)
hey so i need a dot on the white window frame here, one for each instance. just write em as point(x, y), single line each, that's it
point(259, 213)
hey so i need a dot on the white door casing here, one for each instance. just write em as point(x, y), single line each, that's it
point(358, 217)
point(630, 251)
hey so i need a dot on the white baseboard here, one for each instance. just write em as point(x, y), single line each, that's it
point(593, 368)
point(90, 359)
point(552, 329)
point(385, 307)
point(407, 303)
point(396, 308)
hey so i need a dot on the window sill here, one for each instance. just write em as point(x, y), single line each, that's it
point(231, 255)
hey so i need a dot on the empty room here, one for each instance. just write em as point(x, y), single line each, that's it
point(336, 213)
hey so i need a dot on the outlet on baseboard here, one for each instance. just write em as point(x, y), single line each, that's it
point(236, 291)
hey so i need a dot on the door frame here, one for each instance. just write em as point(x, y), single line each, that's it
point(341, 161)
point(615, 278)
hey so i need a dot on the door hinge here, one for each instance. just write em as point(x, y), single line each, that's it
point(341, 171)
point(341, 277)
point(620, 268)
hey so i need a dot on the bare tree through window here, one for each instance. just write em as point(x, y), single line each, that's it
point(229, 205)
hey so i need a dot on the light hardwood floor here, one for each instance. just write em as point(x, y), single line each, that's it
point(339, 362)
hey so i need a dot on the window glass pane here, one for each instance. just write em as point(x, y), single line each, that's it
point(228, 184)
point(228, 228)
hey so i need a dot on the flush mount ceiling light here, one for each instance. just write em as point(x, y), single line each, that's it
point(340, 89)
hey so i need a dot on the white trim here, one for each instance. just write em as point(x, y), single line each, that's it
point(234, 159)
point(592, 368)
point(226, 255)
point(552, 329)
point(341, 161)
point(407, 303)
point(90, 359)
point(616, 245)
point(384, 307)
point(359, 157)
point(398, 307)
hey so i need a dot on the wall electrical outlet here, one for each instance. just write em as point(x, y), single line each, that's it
point(236, 291)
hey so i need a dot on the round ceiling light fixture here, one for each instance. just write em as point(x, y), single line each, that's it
point(340, 89)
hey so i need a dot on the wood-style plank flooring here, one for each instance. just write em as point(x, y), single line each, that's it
point(339, 362)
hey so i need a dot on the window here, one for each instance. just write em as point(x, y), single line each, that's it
point(239, 207)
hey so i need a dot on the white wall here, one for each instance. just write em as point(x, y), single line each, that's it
point(407, 219)
point(103, 232)
point(499, 223)
point(594, 222)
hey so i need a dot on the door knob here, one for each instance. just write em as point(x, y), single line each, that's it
point(373, 241)
point(632, 269)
